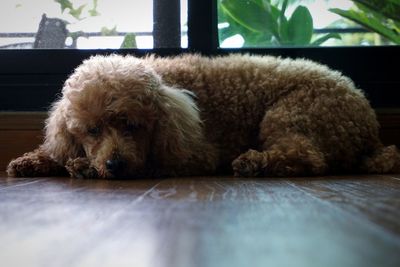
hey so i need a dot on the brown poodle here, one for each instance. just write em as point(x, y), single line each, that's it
point(191, 115)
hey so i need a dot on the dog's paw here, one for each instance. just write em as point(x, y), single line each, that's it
point(81, 168)
point(22, 167)
point(247, 164)
point(34, 164)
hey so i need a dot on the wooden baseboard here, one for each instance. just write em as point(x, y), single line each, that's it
point(22, 132)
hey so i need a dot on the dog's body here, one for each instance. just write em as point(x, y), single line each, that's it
point(264, 116)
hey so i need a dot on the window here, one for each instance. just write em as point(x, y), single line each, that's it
point(266, 23)
point(30, 79)
point(88, 24)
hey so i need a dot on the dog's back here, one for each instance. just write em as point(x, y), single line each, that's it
point(236, 92)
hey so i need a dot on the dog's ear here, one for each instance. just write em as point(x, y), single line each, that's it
point(178, 131)
point(60, 144)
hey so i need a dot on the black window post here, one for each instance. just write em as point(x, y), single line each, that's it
point(202, 26)
point(166, 24)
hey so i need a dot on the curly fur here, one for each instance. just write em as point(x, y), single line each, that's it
point(193, 115)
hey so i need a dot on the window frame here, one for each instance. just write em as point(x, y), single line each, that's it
point(30, 80)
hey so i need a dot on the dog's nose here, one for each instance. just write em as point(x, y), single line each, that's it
point(114, 165)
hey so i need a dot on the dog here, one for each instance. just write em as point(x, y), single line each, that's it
point(189, 115)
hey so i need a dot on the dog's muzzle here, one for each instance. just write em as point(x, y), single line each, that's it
point(115, 166)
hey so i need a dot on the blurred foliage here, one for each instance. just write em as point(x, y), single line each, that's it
point(109, 32)
point(129, 41)
point(380, 16)
point(355, 38)
point(78, 13)
point(264, 23)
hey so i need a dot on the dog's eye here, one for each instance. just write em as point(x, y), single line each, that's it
point(130, 126)
point(94, 131)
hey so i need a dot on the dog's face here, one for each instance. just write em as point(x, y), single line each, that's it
point(117, 143)
point(112, 116)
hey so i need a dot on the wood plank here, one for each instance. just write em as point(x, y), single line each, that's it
point(198, 221)
point(376, 198)
point(22, 120)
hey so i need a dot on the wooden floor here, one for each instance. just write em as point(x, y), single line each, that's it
point(215, 221)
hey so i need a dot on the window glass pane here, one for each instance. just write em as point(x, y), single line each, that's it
point(266, 23)
point(82, 24)
point(184, 17)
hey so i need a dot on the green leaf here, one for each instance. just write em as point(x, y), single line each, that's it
point(325, 38)
point(233, 29)
point(221, 14)
point(397, 26)
point(108, 32)
point(388, 8)
point(369, 22)
point(283, 9)
point(300, 26)
point(225, 33)
point(252, 39)
point(257, 40)
point(76, 13)
point(250, 15)
point(284, 30)
point(93, 12)
point(129, 41)
point(275, 14)
point(64, 4)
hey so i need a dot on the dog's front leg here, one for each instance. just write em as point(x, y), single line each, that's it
point(35, 164)
point(81, 168)
point(291, 155)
